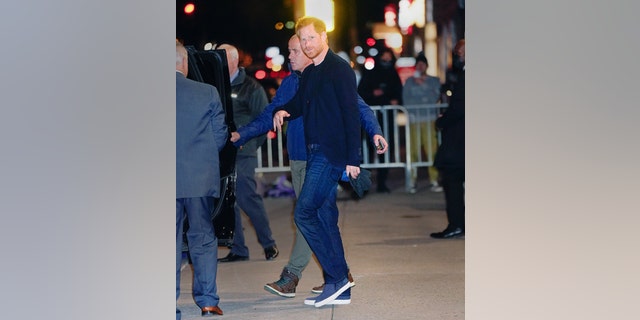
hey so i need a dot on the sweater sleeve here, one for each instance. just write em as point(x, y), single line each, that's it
point(347, 93)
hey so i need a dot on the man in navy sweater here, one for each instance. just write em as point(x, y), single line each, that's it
point(327, 101)
point(297, 150)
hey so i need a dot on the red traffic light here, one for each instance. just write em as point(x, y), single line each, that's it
point(371, 42)
point(189, 8)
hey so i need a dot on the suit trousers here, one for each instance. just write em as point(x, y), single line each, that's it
point(203, 247)
point(453, 185)
point(248, 199)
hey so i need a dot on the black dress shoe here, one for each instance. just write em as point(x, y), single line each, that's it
point(448, 233)
point(271, 253)
point(210, 311)
point(231, 257)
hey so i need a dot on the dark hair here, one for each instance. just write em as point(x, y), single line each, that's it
point(383, 50)
point(421, 57)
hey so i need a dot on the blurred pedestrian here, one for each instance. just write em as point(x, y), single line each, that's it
point(450, 156)
point(201, 133)
point(297, 150)
point(326, 100)
point(249, 99)
point(419, 90)
point(382, 86)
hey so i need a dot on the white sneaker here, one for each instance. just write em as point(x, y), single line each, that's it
point(435, 187)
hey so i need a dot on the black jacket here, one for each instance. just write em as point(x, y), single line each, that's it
point(450, 153)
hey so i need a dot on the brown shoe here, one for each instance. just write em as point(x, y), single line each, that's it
point(318, 289)
point(285, 286)
point(211, 311)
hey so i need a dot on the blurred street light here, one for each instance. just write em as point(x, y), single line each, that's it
point(189, 8)
point(321, 9)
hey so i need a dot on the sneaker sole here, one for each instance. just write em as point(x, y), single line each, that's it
point(310, 302)
point(276, 292)
point(340, 301)
point(334, 296)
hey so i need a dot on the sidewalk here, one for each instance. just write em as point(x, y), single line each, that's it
point(399, 271)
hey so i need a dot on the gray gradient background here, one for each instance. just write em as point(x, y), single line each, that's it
point(552, 160)
point(88, 160)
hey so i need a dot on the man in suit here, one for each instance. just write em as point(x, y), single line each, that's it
point(327, 100)
point(449, 158)
point(200, 135)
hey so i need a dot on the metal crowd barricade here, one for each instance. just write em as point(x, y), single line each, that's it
point(396, 123)
point(425, 137)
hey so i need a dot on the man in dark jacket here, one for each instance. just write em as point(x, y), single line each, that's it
point(450, 156)
point(249, 99)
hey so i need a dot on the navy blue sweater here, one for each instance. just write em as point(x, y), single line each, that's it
point(327, 101)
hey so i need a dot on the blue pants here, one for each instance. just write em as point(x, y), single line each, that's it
point(203, 247)
point(316, 215)
point(251, 203)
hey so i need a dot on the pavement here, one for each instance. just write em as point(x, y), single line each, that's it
point(400, 272)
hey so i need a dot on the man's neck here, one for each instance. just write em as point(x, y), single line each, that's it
point(305, 66)
point(234, 75)
point(318, 60)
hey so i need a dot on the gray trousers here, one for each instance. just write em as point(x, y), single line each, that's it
point(251, 203)
point(301, 252)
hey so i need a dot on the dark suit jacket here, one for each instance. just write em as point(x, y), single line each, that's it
point(450, 153)
point(200, 135)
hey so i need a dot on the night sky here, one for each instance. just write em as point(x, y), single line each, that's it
point(249, 24)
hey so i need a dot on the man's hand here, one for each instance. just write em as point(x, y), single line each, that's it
point(235, 136)
point(278, 120)
point(352, 171)
point(381, 144)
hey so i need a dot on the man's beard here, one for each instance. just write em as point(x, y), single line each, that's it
point(312, 53)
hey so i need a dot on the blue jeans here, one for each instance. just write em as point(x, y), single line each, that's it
point(316, 215)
